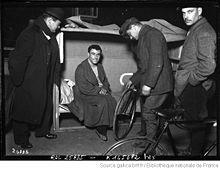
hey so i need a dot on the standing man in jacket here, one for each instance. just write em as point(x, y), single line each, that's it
point(34, 67)
point(154, 74)
point(193, 83)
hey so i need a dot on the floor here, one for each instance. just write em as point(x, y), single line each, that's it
point(84, 141)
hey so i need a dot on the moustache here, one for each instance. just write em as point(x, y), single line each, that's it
point(186, 20)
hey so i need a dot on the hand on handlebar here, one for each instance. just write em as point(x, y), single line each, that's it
point(129, 84)
point(103, 91)
point(145, 90)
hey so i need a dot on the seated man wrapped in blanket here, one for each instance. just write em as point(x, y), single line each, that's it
point(92, 94)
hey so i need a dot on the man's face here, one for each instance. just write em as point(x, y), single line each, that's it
point(53, 25)
point(191, 15)
point(94, 56)
point(132, 32)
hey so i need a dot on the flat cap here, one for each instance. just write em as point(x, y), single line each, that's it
point(125, 26)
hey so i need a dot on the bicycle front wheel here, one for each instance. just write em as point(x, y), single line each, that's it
point(124, 114)
point(136, 146)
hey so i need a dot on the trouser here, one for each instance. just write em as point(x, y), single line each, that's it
point(21, 132)
point(46, 121)
point(143, 125)
point(197, 142)
point(102, 129)
point(194, 102)
point(149, 103)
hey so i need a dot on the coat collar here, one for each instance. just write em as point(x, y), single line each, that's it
point(145, 28)
point(92, 76)
point(198, 24)
point(43, 26)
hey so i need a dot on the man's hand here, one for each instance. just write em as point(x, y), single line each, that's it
point(128, 85)
point(146, 90)
point(103, 91)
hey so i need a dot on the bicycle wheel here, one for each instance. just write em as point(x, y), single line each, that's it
point(136, 146)
point(124, 114)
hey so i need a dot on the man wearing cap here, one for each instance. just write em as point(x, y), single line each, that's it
point(34, 67)
point(154, 74)
point(193, 82)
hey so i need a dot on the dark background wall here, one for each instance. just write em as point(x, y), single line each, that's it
point(16, 15)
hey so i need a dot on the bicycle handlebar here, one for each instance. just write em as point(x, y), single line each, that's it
point(170, 114)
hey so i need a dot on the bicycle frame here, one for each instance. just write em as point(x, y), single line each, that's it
point(166, 128)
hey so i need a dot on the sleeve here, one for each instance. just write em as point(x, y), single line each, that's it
point(57, 73)
point(136, 77)
point(83, 84)
point(206, 45)
point(154, 45)
point(58, 65)
point(18, 59)
point(105, 82)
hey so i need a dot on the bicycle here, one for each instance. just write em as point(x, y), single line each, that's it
point(125, 112)
point(146, 146)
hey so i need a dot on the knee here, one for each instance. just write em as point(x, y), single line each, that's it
point(102, 102)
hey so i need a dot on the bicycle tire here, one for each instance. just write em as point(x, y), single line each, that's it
point(136, 146)
point(124, 114)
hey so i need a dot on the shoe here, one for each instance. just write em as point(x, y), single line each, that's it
point(26, 145)
point(101, 136)
point(48, 136)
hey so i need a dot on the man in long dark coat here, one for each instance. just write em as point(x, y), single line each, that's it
point(34, 67)
point(93, 89)
point(154, 74)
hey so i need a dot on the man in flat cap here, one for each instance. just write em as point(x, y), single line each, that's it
point(34, 67)
point(154, 74)
point(194, 82)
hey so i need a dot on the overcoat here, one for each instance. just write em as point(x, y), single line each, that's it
point(198, 56)
point(154, 67)
point(33, 66)
point(98, 109)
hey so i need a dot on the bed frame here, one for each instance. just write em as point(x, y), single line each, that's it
point(59, 109)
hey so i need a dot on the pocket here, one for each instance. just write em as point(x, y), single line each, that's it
point(182, 76)
point(181, 80)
